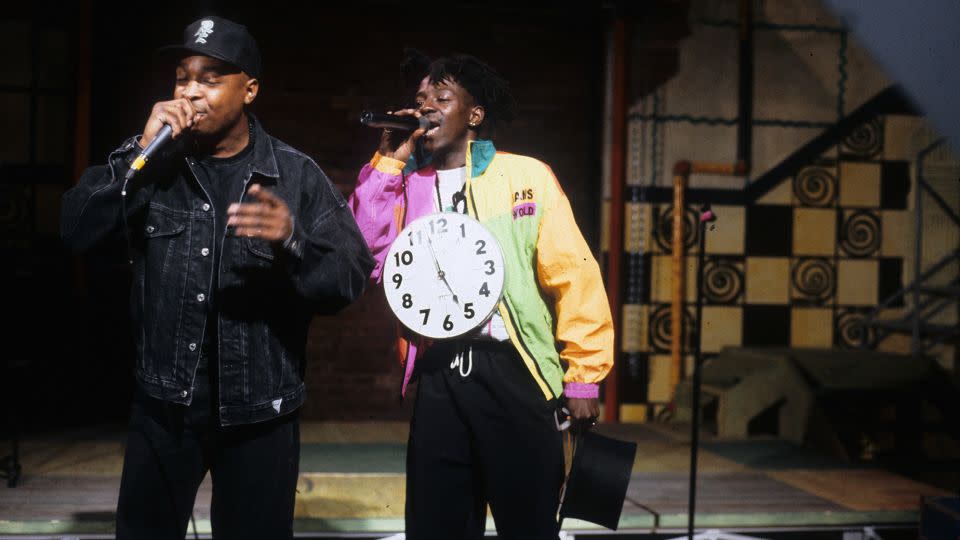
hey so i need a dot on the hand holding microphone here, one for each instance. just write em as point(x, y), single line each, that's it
point(167, 121)
point(179, 114)
point(394, 121)
point(401, 129)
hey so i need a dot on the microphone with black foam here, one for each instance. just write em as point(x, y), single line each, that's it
point(164, 136)
point(391, 121)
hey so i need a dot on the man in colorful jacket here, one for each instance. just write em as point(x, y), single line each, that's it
point(488, 433)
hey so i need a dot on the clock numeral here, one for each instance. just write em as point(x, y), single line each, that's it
point(480, 245)
point(441, 226)
point(447, 324)
point(398, 279)
point(463, 230)
point(426, 315)
point(407, 301)
point(404, 258)
point(419, 237)
point(468, 311)
point(484, 290)
point(490, 269)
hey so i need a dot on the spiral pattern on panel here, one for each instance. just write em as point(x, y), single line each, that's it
point(661, 329)
point(814, 279)
point(663, 232)
point(866, 141)
point(722, 281)
point(860, 234)
point(850, 332)
point(815, 186)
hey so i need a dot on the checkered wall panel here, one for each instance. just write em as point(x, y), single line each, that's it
point(799, 268)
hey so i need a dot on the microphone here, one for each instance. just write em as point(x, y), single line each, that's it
point(389, 121)
point(163, 136)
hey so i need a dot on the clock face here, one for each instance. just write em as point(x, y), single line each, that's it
point(443, 275)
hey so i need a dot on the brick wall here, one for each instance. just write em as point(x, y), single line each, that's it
point(353, 371)
point(325, 63)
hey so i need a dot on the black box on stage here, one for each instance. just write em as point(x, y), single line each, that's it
point(940, 518)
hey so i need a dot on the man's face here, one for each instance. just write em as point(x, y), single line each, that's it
point(218, 92)
point(450, 108)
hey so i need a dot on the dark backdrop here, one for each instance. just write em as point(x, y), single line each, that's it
point(324, 62)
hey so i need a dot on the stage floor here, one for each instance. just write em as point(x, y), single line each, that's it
point(352, 483)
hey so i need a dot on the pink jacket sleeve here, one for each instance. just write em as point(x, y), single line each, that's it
point(376, 205)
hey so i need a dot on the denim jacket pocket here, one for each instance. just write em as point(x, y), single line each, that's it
point(166, 241)
point(161, 246)
point(160, 224)
point(260, 248)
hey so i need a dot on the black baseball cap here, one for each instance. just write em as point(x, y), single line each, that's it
point(222, 39)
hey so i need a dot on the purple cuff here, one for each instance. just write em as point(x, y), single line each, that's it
point(581, 390)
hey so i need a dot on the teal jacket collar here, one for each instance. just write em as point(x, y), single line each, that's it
point(481, 151)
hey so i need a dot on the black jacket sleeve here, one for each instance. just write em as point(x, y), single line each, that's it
point(328, 259)
point(93, 209)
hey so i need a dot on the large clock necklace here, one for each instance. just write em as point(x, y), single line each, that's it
point(443, 275)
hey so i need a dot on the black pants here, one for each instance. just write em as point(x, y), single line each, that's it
point(170, 448)
point(485, 437)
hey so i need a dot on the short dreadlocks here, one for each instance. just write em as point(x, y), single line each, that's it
point(488, 88)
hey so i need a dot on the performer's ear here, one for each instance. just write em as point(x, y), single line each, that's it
point(476, 117)
point(252, 87)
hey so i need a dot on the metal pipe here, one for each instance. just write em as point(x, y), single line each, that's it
point(722, 169)
point(937, 198)
point(915, 349)
point(681, 172)
point(904, 291)
point(81, 129)
point(705, 216)
point(745, 85)
point(618, 141)
point(681, 176)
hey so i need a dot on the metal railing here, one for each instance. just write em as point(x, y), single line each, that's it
point(928, 300)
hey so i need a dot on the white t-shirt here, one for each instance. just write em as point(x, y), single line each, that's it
point(450, 182)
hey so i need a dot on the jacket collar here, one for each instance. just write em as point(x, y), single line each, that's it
point(264, 160)
point(479, 155)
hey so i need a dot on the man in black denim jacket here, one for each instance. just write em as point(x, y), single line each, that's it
point(235, 240)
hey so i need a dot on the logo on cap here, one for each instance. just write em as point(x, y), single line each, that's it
point(206, 28)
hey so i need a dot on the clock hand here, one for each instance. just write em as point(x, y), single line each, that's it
point(440, 273)
point(434, 255)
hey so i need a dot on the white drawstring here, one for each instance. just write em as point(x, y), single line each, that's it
point(459, 363)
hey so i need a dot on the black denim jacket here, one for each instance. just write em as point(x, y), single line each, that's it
point(267, 293)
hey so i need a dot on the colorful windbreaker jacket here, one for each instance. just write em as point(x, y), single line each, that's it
point(554, 304)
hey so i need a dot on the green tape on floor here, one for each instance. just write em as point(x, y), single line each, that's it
point(353, 458)
point(645, 523)
point(789, 519)
point(775, 455)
